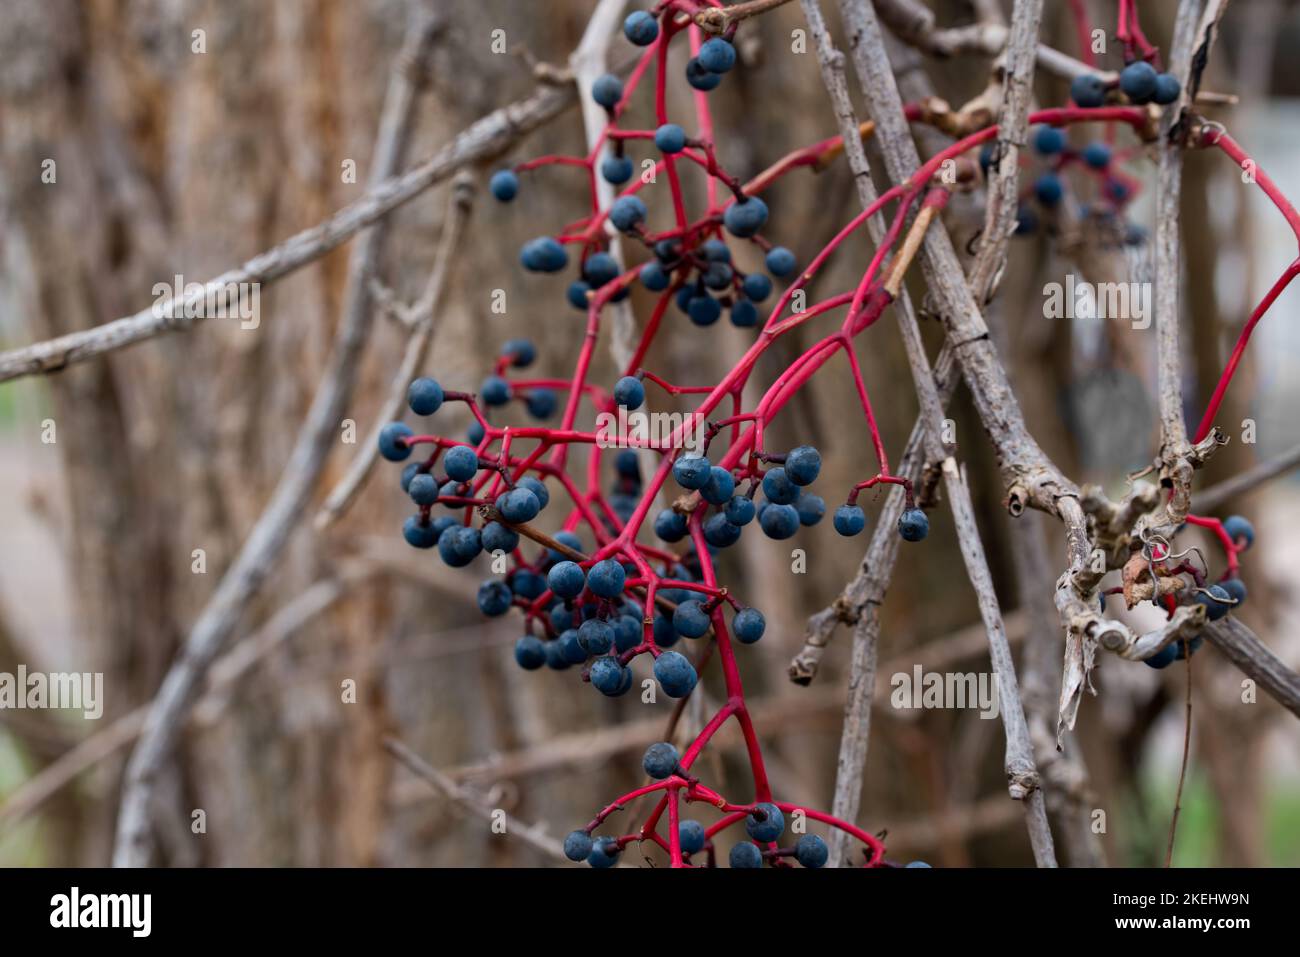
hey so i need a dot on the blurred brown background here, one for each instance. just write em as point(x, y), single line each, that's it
point(171, 162)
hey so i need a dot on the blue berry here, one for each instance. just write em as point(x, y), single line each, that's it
point(720, 486)
point(494, 598)
point(629, 392)
point(1239, 527)
point(424, 396)
point(986, 157)
point(626, 213)
point(692, 471)
point(596, 638)
point(811, 851)
point(1138, 81)
point(1088, 91)
point(538, 488)
point(626, 464)
point(1188, 649)
point(1097, 155)
point(497, 538)
point(542, 403)
point(530, 654)
point(748, 625)
point(1217, 603)
point(1117, 190)
point(660, 760)
point(518, 505)
point(779, 521)
point(849, 520)
point(690, 619)
point(1235, 588)
point(544, 254)
point(566, 579)
point(577, 294)
point(668, 251)
point(607, 90)
point(654, 277)
point(745, 218)
point(913, 525)
point(419, 533)
point(411, 470)
point(627, 633)
point(744, 314)
point(504, 185)
point(571, 647)
point(459, 546)
point(1026, 221)
point(756, 286)
point(1048, 189)
point(665, 635)
point(811, 508)
point(764, 822)
point(740, 510)
point(780, 261)
point(704, 310)
point(700, 78)
point(568, 539)
point(718, 276)
point(719, 532)
point(778, 488)
point(607, 676)
point(606, 578)
point(392, 441)
point(675, 674)
point(690, 836)
point(495, 390)
point(641, 28)
point(670, 525)
point(527, 584)
point(599, 269)
point(423, 490)
point(803, 465)
point(1163, 658)
point(604, 854)
point(577, 846)
point(1167, 89)
point(555, 659)
point(670, 138)
point(461, 463)
point(1048, 140)
point(717, 55)
point(745, 855)
point(918, 864)
point(616, 169)
point(521, 352)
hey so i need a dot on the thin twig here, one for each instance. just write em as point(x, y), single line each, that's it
point(1182, 772)
point(462, 798)
point(716, 20)
point(1017, 64)
point(316, 439)
point(1248, 481)
point(421, 320)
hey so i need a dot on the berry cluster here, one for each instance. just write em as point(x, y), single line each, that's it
point(595, 595)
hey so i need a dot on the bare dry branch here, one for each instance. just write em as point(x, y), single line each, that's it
point(421, 320)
